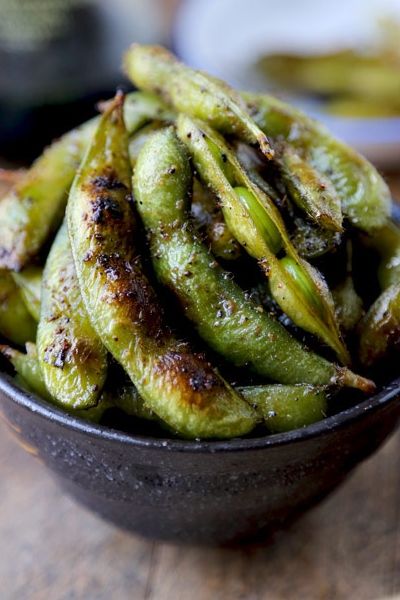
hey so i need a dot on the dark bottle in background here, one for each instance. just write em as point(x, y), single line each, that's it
point(58, 58)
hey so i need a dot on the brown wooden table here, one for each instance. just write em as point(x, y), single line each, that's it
point(347, 548)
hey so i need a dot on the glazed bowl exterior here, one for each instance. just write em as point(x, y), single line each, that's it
point(198, 492)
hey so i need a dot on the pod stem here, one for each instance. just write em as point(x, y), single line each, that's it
point(350, 379)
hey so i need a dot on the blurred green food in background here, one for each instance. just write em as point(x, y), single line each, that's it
point(352, 83)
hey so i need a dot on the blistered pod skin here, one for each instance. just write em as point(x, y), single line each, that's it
point(364, 195)
point(179, 386)
point(71, 355)
point(228, 321)
point(195, 93)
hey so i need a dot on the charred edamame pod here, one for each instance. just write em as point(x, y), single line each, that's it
point(229, 322)
point(280, 407)
point(256, 223)
point(34, 207)
point(365, 197)
point(154, 69)
point(178, 385)
point(30, 376)
point(71, 355)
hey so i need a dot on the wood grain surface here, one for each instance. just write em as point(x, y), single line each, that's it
point(346, 548)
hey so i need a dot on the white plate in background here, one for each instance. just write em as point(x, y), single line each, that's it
point(225, 38)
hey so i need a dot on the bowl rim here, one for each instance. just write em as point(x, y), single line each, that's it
point(33, 403)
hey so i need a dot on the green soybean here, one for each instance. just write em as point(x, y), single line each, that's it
point(229, 322)
point(154, 69)
point(71, 355)
point(178, 385)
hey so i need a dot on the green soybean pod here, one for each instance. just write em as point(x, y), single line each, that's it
point(311, 241)
point(195, 93)
point(311, 191)
point(386, 240)
point(287, 407)
point(299, 288)
point(380, 328)
point(35, 206)
point(30, 283)
point(16, 323)
point(30, 376)
point(71, 356)
point(178, 385)
point(229, 322)
point(28, 369)
point(365, 197)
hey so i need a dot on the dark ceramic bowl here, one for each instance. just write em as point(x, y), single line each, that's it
point(207, 492)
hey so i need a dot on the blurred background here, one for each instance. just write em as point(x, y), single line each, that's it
point(339, 60)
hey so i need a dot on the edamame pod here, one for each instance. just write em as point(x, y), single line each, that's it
point(256, 223)
point(380, 328)
point(195, 93)
point(71, 355)
point(349, 305)
point(362, 190)
point(30, 283)
point(287, 407)
point(311, 191)
point(178, 385)
point(16, 323)
point(364, 195)
point(208, 220)
point(34, 208)
point(386, 241)
point(30, 376)
point(229, 322)
point(27, 367)
point(311, 241)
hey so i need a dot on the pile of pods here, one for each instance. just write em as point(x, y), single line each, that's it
point(186, 237)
